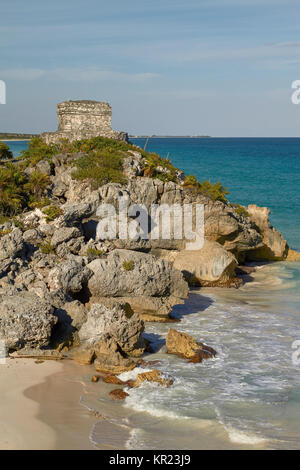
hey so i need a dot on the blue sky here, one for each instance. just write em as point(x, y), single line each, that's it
point(217, 67)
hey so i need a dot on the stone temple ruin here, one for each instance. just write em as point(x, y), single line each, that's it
point(83, 120)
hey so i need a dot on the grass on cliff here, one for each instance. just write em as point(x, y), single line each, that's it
point(215, 191)
point(17, 190)
point(100, 167)
point(5, 153)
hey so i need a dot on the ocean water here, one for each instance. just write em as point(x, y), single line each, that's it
point(248, 396)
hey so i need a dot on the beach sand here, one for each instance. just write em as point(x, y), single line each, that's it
point(40, 407)
point(20, 428)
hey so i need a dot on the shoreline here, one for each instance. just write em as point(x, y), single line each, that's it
point(52, 405)
point(71, 421)
point(18, 413)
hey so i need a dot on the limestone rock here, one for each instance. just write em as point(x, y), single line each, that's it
point(126, 331)
point(274, 246)
point(152, 376)
point(212, 265)
point(43, 166)
point(110, 357)
point(184, 345)
point(64, 235)
point(112, 379)
point(11, 245)
point(293, 255)
point(25, 320)
point(70, 276)
point(147, 276)
point(84, 355)
point(118, 394)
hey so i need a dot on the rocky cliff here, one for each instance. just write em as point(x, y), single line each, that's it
point(63, 286)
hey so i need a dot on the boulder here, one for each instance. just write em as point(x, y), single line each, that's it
point(11, 245)
point(274, 246)
point(69, 276)
point(184, 345)
point(293, 255)
point(64, 235)
point(43, 166)
point(110, 358)
point(25, 320)
point(84, 355)
point(151, 376)
point(126, 273)
point(118, 394)
point(126, 330)
point(210, 266)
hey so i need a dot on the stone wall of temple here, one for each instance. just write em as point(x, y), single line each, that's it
point(83, 120)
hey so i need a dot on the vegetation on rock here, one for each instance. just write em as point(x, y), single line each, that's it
point(52, 212)
point(213, 190)
point(5, 153)
point(128, 265)
point(241, 210)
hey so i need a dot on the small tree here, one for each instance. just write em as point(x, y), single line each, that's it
point(5, 153)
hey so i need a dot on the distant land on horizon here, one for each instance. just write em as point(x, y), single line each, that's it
point(154, 136)
point(16, 135)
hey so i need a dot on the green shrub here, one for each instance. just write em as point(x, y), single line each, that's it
point(100, 167)
point(52, 212)
point(241, 210)
point(216, 191)
point(5, 153)
point(12, 192)
point(39, 204)
point(128, 265)
point(94, 253)
point(191, 182)
point(158, 167)
point(37, 183)
point(38, 150)
point(46, 248)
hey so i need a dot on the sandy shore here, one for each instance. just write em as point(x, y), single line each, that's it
point(40, 407)
point(15, 140)
point(20, 428)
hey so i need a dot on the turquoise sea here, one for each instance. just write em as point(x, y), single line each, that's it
point(249, 395)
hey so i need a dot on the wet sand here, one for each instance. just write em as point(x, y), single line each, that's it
point(20, 427)
point(72, 423)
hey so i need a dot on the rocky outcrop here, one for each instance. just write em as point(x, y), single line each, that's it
point(108, 338)
point(184, 345)
point(293, 255)
point(11, 245)
point(210, 266)
point(125, 329)
point(25, 320)
point(118, 394)
point(151, 376)
point(133, 275)
point(110, 357)
point(70, 276)
point(274, 246)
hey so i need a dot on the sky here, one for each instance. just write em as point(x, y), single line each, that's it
point(216, 67)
